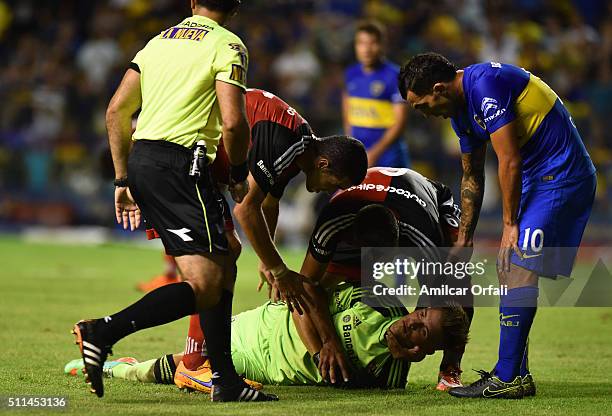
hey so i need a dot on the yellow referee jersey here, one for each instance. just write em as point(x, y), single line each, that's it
point(178, 69)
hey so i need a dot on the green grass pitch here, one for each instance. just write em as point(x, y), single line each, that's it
point(45, 288)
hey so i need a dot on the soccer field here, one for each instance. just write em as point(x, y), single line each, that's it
point(45, 288)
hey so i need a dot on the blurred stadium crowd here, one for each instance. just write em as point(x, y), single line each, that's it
point(62, 59)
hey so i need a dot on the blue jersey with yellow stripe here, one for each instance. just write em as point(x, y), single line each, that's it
point(371, 96)
point(551, 148)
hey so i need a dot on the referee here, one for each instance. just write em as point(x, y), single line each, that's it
point(186, 81)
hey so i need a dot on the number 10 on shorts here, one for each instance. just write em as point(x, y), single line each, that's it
point(533, 240)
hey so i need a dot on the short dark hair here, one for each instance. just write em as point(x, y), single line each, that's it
point(375, 226)
point(372, 27)
point(423, 71)
point(346, 155)
point(224, 6)
point(455, 326)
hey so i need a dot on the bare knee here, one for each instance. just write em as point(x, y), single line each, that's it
point(207, 293)
point(517, 277)
point(205, 275)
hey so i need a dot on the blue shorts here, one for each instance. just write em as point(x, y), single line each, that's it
point(551, 224)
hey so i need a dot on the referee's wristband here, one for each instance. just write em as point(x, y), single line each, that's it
point(121, 182)
point(239, 173)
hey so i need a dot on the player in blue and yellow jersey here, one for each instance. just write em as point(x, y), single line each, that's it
point(547, 182)
point(373, 109)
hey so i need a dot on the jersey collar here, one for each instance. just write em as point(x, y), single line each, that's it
point(377, 68)
point(202, 19)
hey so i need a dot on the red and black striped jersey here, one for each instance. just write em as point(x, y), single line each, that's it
point(264, 106)
point(279, 134)
point(424, 210)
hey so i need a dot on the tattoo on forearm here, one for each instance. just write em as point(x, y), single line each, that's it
point(472, 191)
point(471, 202)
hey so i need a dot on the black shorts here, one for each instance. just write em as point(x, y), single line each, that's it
point(186, 212)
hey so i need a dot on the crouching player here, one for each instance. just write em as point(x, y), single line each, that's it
point(427, 219)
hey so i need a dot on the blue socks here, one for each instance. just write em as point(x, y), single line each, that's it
point(517, 311)
point(525, 362)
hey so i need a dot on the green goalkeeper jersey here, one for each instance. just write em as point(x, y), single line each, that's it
point(178, 70)
point(266, 346)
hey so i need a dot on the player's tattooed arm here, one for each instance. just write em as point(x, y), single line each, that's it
point(472, 191)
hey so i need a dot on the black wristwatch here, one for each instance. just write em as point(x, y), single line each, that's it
point(121, 182)
point(238, 173)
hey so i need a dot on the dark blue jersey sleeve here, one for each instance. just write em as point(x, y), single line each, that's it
point(466, 142)
point(494, 97)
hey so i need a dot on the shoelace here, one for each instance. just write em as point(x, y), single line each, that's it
point(484, 377)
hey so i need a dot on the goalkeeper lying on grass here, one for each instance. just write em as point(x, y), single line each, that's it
point(272, 346)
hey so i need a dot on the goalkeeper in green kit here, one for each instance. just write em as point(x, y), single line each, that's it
point(271, 345)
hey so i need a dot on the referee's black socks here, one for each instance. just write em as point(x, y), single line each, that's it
point(216, 325)
point(161, 306)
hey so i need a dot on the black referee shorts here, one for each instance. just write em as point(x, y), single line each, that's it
point(186, 212)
